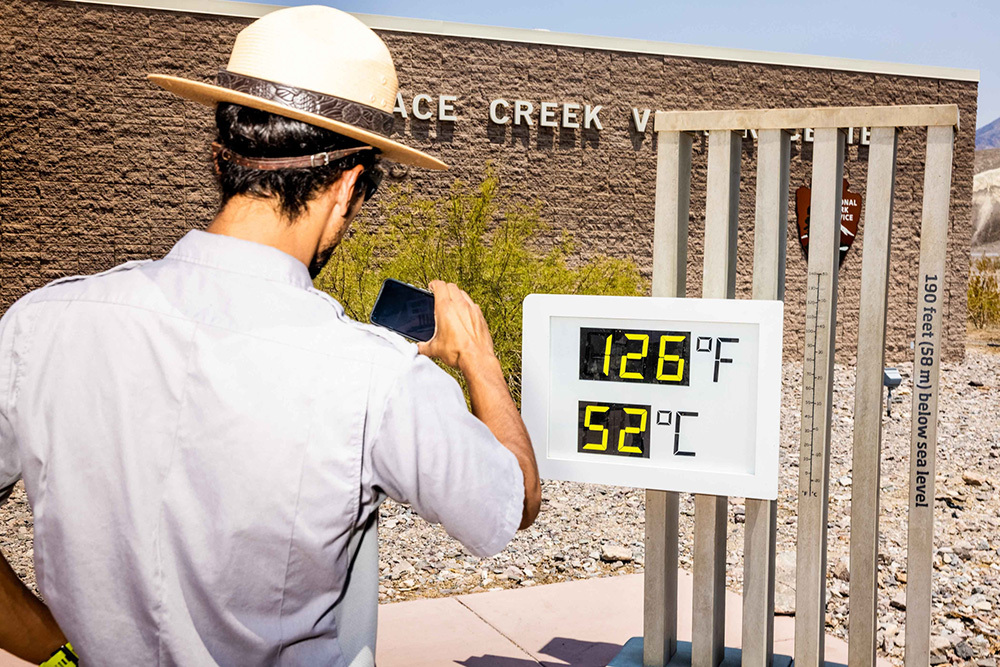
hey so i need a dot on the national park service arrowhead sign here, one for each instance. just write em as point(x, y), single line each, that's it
point(850, 215)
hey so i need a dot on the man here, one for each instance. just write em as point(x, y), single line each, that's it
point(205, 438)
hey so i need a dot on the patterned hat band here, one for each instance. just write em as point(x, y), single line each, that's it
point(333, 108)
point(273, 163)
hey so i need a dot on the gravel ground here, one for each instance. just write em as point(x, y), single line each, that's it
point(590, 530)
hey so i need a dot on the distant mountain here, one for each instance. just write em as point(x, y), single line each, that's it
point(988, 136)
point(986, 159)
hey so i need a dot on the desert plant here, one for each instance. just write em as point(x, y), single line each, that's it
point(984, 300)
point(480, 240)
point(987, 265)
point(984, 293)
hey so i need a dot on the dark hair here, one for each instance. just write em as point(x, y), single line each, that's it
point(254, 133)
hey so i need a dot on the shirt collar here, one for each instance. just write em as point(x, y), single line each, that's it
point(232, 254)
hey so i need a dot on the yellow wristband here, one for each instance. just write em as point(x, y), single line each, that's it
point(63, 657)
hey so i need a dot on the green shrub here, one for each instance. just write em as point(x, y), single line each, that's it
point(984, 297)
point(474, 237)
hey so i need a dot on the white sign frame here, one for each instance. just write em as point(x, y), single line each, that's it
point(623, 313)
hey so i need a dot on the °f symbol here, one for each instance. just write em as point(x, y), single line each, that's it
point(706, 343)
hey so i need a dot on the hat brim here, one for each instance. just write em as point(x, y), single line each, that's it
point(210, 94)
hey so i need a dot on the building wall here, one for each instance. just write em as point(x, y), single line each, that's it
point(98, 167)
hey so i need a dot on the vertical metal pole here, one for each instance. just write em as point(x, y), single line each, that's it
point(708, 622)
point(673, 204)
point(722, 214)
point(771, 219)
point(817, 396)
point(670, 239)
point(867, 464)
point(926, 365)
point(771, 222)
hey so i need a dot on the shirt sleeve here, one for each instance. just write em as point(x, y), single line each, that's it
point(429, 451)
point(10, 460)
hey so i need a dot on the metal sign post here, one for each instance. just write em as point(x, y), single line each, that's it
point(670, 244)
point(659, 646)
point(926, 366)
point(769, 256)
point(868, 398)
point(817, 395)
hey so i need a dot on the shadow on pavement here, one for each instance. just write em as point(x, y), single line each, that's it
point(566, 651)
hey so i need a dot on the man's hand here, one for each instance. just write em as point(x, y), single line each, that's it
point(461, 335)
point(462, 340)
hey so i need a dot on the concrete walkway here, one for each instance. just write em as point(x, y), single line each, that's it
point(579, 623)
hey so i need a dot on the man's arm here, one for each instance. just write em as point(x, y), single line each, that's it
point(27, 628)
point(462, 340)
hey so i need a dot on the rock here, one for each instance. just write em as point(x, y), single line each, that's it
point(973, 478)
point(963, 650)
point(401, 570)
point(898, 601)
point(845, 480)
point(616, 552)
point(986, 662)
point(955, 626)
point(940, 648)
point(973, 599)
point(513, 573)
point(842, 569)
point(889, 636)
point(784, 586)
point(739, 514)
point(963, 549)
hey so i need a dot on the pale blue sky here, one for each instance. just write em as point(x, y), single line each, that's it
point(961, 33)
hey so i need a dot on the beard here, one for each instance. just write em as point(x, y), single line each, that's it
point(321, 258)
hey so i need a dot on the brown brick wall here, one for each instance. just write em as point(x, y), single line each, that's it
point(98, 167)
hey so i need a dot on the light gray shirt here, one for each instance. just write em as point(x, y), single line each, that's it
point(204, 440)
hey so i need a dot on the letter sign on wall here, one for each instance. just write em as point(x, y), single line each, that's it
point(671, 394)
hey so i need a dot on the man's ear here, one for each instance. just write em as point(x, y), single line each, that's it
point(344, 188)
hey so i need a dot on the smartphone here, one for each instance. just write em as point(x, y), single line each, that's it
point(405, 309)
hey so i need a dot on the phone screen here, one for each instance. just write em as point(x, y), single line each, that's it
point(405, 309)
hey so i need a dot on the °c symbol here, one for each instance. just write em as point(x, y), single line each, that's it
point(664, 417)
point(704, 344)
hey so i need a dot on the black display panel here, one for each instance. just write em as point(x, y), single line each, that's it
point(405, 309)
point(635, 355)
point(616, 429)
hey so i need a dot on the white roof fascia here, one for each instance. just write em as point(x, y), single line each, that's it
point(545, 37)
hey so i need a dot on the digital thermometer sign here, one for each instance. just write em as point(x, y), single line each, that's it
point(671, 394)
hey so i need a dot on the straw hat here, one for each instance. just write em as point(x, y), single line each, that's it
point(315, 64)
